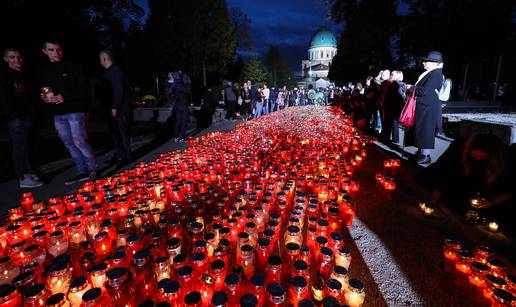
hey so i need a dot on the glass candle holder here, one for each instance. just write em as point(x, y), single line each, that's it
point(97, 275)
point(102, 244)
point(96, 297)
point(274, 269)
point(232, 288)
point(9, 296)
point(343, 257)
point(76, 234)
point(502, 298)
point(276, 294)
point(169, 291)
point(318, 288)
point(36, 253)
point(218, 272)
point(298, 290)
point(451, 248)
point(57, 300)
point(355, 294)
point(334, 289)
point(120, 287)
point(246, 260)
point(476, 280)
point(143, 275)
point(341, 274)
point(463, 267)
point(482, 253)
point(492, 282)
point(192, 298)
point(78, 287)
point(498, 268)
point(57, 243)
point(36, 295)
point(293, 235)
point(8, 270)
point(59, 277)
point(162, 268)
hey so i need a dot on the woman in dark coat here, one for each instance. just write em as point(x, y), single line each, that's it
point(392, 106)
point(428, 117)
point(246, 107)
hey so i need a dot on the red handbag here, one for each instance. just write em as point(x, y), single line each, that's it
point(409, 111)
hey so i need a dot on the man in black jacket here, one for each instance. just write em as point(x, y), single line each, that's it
point(182, 93)
point(65, 90)
point(113, 100)
point(17, 98)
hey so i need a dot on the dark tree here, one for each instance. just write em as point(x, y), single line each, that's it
point(83, 27)
point(471, 35)
point(236, 71)
point(242, 27)
point(365, 43)
point(280, 72)
point(196, 36)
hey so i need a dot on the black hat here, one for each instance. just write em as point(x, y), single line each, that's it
point(433, 56)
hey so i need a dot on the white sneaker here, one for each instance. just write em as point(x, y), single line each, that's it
point(32, 176)
point(28, 183)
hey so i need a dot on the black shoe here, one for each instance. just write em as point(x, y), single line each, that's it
point(78, 178)
point(423, 160)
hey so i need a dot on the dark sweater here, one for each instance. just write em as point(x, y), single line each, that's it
point(17, 94)
point(66, 79)
point(111, 89)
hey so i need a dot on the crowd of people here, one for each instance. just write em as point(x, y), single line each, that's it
point(255, 100)
point(64, 90)
point(377, 105)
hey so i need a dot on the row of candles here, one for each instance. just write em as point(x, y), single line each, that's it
point(487, 279)
point(252, 216)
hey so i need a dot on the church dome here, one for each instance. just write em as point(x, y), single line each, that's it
point(323, 38)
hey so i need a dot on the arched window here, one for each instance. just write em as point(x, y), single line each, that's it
point(322, 54)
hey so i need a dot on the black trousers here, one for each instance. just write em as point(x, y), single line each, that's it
point(230, 109)
point(119, 128)
point(182, 117)
point(19, 132)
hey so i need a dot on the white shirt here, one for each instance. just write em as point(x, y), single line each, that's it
point(266, 92)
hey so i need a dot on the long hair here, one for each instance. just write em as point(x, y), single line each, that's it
point(493, 147)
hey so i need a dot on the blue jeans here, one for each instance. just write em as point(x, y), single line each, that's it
point(71, 128)
point(258, 109)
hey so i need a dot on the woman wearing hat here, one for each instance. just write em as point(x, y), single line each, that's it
point(428, 117)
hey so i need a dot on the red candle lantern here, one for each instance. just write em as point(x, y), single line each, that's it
point(102, 244)
point(476, 280)
point(96, 297)
point(9, 296)
point(36, 296)
point(169, 291)
point(26, 201)
point(120, 287)
point(218, 272)
point(298, 290)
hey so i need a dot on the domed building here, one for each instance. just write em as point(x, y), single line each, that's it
point(323, 47)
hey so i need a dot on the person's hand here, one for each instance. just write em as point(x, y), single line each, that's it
point(57, 99)
point(113, 112)
point(408, 86)
point(45, 98)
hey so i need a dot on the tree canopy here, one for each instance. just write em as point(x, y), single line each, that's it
point(255, 71)
point(377, 35)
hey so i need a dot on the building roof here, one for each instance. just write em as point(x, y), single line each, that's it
point(323, 38)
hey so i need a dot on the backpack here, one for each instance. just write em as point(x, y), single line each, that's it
point(444, 92)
